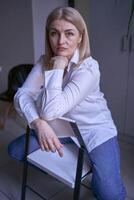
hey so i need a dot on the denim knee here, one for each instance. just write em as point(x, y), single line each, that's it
point(16, 149)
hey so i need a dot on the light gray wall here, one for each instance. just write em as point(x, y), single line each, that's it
point(22, 29)
point(83, 7)
point(16, 36)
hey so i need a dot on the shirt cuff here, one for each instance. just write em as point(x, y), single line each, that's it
point(31, 117)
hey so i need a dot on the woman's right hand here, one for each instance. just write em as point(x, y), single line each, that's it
point(59, 62)
point(46, 136)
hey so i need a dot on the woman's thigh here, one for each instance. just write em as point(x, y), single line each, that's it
point(106, 180)
point(16, 149)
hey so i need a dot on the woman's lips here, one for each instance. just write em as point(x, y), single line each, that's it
point(61, 49)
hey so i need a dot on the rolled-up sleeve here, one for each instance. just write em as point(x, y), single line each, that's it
point(26, 96)
point(59, 101)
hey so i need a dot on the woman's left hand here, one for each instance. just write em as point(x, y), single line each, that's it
point(46, 136)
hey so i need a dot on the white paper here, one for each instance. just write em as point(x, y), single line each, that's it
point(64, 169)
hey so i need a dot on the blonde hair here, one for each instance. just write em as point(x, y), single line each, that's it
point(73, 16)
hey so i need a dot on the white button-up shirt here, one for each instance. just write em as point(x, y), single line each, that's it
point(49, 95)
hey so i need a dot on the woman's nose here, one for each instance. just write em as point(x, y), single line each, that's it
point(61, 39)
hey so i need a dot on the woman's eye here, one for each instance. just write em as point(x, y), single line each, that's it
point(53, 33)
point(69, 34)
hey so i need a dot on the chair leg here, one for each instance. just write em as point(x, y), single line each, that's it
point(24, 181)
point(25, 166)
point(76, 193)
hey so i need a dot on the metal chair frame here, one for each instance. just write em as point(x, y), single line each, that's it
point(80, 162)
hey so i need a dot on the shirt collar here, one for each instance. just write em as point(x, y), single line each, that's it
point(74, 59)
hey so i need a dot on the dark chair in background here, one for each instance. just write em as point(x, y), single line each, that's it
point(16, 77)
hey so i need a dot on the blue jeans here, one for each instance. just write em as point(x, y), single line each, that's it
point(106, 179)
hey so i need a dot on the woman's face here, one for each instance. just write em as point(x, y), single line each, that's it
point(64, 38)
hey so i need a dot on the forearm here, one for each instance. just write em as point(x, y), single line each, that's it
point(61, 99)
point(27, 95)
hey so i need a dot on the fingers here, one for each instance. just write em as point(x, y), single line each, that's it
point(58, 146)
point(43, 144)
point(60, 152)
point(52, 144)
point(59, 62)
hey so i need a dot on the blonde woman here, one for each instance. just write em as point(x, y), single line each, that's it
point(66, 82)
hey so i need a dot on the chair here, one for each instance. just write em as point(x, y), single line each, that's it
point(74, 155)
point(16, 78)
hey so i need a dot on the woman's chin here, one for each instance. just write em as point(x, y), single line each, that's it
point(62, 54)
